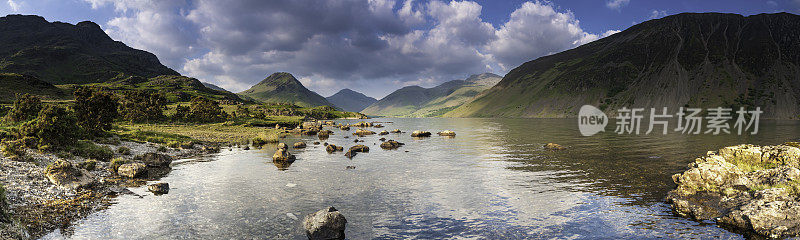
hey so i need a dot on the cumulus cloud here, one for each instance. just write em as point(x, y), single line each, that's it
point(616, 4)
point(338, 44)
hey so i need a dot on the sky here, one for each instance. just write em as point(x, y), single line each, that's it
point(371, 46)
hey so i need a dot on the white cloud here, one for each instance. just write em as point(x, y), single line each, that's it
point(616, 4)
point(657, 14)
point(15, 6)
point(373, 43)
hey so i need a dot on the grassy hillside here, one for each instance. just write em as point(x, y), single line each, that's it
point(282, 87)
point(12, 84)
point(174, 88)
point(699, 60)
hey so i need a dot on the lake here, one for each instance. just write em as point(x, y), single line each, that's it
point(493, 181)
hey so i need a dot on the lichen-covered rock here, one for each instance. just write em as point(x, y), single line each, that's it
point(159, 188)
point(745, 186)
point(63, 173)
point(418, 133)
point(325, 224)
point(132, 170)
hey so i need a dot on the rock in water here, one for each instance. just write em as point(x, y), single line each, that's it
point(63, 173)
point(300, 145)
point(325, 224)
point(553, 146)
point(745, 186)
point(282, 146)
point(333, 148)
point(159, 188)
point(418, 133)
point(395, 131)
point(447, 133)
point(132, 170)
point(282, 155)
point(391, 144)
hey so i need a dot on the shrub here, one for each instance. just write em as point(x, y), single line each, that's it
point(116, 162)
point(124, 150)
point(95, 109)
point(205, 110)
point(88, 149)
point(242, 111)
point(140, 106)
point(26, 107)
point(53, 128)
point(15, 150)
point(88, 164)
point(181, 113)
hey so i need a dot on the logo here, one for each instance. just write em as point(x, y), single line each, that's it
point(591, 120)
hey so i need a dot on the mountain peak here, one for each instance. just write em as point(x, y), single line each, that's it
point(282, 87)
point(280, 78)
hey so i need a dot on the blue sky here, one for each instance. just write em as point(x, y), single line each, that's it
point(371, 46)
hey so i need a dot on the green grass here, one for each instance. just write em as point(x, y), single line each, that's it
point(165, 133)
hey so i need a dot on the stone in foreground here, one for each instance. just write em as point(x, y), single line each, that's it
point(132, 170)
point(159, 188)
point(325, 224)
point(745, 186)
point(63, 173)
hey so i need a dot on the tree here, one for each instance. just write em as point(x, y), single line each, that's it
point(53, 128)
point(95, 109)
point(26, 107)
point(206, 110)
point(141, 106)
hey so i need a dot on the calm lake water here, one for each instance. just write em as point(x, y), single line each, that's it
point(493, 181)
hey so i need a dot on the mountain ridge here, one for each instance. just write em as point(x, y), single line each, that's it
point(351, 101)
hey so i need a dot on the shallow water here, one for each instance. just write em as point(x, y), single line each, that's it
point(493, 181)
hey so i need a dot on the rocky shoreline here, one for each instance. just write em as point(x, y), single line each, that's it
point(746, 187)
point(50, 192)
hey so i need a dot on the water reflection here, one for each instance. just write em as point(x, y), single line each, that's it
point(282, 165)
point(495, 181)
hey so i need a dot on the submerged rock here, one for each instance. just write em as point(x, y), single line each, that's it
point(745, 186)
point(159, 188)
point(355, 150)
point(325, 224)
point(132, 170)
point(63, 173)
point(418, 133)
point(447, 133)
point(553, 146)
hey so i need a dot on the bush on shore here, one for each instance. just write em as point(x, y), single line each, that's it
point(26, 107)
point(54, 128)
point(141, 106)
point(95, 109)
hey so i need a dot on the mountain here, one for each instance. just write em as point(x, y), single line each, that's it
point(215, 87)
point(691, 59)
point(12, 84)
point(62, 53)
point(415, 101)
point(282, 87)
point(350, 100)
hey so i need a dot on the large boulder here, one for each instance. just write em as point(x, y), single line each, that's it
point(63, 173)
point(154, 159)
point(419, 133)
point(325, 224)
point(744, 186)
point(132, 170)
